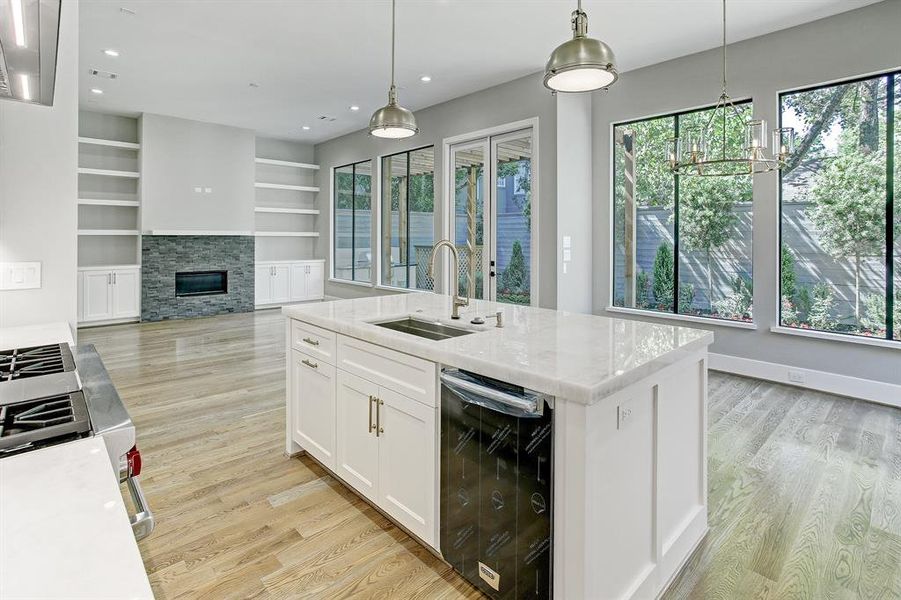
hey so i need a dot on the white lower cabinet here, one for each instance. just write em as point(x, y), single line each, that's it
point(313, 398)
point(377, 440)
point(358, 447)
point(283, 282)
point(106, 295)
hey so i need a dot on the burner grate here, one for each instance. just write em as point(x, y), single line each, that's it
point(23, 363)
point(36, 423)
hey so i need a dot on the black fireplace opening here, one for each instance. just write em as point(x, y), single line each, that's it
point(201, 283)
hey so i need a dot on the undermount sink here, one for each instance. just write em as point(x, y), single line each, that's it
point(424, 329)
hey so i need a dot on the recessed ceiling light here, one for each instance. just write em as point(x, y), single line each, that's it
point(425, 79)
point(354, 107)
point(97, 91)
point(18, 23)
point(306, 127)
point(111, 52)
point(26, 89)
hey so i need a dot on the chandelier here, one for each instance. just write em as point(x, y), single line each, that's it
point(691, 154)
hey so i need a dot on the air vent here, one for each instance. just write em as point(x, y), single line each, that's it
point(103, 74)
point(326, 118)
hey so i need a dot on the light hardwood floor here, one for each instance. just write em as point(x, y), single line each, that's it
point(805, 488)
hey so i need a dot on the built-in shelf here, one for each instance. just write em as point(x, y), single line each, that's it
point(285, 186)
point(106, 267)
point(108, 232)
point(287, 234)
point(105, 202)
point(287, 211)
point(110, 143)
point(195, 232)
point(109, 173)
point(285, 163)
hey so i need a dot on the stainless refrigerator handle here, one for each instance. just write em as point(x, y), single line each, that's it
point(473, 393)
point(142, 522)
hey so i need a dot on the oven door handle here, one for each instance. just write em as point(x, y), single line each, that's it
point(492, 398)
point(142, 522)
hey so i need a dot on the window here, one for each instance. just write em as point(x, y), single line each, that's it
point(352, 222)
point(840, 226)
point(408, 220)
point(681, 245)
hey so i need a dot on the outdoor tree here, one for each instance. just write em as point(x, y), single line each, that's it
point(515, 278)
point(664, 284)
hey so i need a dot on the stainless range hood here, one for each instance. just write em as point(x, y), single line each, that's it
point(29, 37)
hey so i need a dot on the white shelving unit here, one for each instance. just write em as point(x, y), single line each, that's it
point(109, 204)
point(286, 227)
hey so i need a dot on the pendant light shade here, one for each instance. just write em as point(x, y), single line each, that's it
point(393, 120)
point(582, 64)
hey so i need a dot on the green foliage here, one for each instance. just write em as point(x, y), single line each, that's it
point(738, 304)
point(874, 313)
point(686, 297)
point(664, 285)
point(820, 314)
point(789, 313)
point(642, 290)
point(787, 273)
point(515, 278)
point(350, 189)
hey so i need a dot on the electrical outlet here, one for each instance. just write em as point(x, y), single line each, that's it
point(624, 414)
point(796, 376)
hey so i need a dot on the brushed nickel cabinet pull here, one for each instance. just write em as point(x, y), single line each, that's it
point(371, 400)
point(311, 342)
point(310, 364)
point(378, 417)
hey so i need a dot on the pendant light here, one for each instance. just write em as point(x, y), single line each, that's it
point(582, 64)
point(689, 154)
point(392, 120)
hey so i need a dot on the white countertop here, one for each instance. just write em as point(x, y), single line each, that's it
point(581, 358)
point(35, 335)
point(64, 530)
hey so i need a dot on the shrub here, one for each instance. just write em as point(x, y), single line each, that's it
point(664, 285)
point(819, 315)
point(788, 276)
point(686, 297)
point(515, 278)
point(642, 290)
point(789, 313)
point(738, 304)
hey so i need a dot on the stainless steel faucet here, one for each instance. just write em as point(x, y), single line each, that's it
point(458, 301)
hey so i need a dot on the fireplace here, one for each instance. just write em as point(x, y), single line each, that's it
point(201, 283)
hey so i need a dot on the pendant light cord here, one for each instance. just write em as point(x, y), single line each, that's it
point(393, 19)
point(724, 47)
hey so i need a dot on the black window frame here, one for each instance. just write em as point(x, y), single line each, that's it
point(676, 256)
point(892, 76)
point(382, 199)
point(353, 219)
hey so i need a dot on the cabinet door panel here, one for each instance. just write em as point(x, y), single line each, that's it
point(281, 283)
point(313, 395)
point(126, 294)
point(97, 295)
point(262, 287)
point(358, 445)
point(298, 282)
point(407, 463)
point(316, 281)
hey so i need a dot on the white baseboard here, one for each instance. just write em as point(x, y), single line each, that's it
point(843, 385)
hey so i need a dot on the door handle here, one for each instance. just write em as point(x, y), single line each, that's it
point(109, 279)
point(115, 279)
point(312, 365)
point(371, 400)
point(379, 430)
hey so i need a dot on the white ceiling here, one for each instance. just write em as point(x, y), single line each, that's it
point(196, 58)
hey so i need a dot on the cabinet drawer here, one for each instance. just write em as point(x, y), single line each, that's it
point(408, 375)
point(315, 341)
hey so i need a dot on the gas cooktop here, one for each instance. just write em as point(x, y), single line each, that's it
point(32, 424)
point(37, 372)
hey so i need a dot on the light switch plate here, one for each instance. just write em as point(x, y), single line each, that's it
point(20, 276)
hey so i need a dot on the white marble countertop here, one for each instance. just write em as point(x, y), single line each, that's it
point(64, 530)
point(35, 335)
point(581, 358)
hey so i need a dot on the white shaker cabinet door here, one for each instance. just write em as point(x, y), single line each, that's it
point(281, 283)
point(358, 444)
point(298, 282)
point(97, 291)
point(315, 282)
point(126, 293)
point(261, 284)
point(407, 463)
point(313, 397)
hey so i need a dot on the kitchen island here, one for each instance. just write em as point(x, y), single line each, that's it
point(629, 423)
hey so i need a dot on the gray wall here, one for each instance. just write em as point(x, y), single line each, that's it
point(853, 43)
point(38, 180)
point(178, 155)
point(513, 101)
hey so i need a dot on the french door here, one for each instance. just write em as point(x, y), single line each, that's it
point(491, 216)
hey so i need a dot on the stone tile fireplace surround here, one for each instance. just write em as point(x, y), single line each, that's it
point(162, 256)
